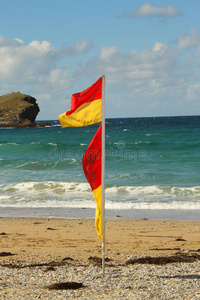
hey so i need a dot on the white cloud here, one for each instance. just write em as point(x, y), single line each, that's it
point(107, 52)
point(26, 63)
point(159, 78)
point(189, 40)
point(155, 78)
point(159, 46)
point(146, 73)
point(43, 47)
point(148, 10)
point(10, 43)
point(33, 63)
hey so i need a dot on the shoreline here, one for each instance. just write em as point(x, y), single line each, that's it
point(110, 214)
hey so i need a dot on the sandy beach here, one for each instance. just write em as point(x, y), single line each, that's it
point(37, 239)
point(72, 250)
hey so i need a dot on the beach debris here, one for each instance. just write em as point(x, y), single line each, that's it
point(6, 253)
point(95, 259)
point(98, 260)
point(180, 240)
point(160, 260)
point(50, 269)
point(165, 249)
point(3, 233)
point(65, 286)
point(67, 258)
point(49, 228)
point(47, 264)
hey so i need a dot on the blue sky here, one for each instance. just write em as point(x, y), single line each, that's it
point(149, 52)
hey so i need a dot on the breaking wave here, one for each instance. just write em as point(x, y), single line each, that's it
point(79, 194)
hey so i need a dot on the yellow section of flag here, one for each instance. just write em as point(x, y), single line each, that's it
point(87, 114)
point(97, 197)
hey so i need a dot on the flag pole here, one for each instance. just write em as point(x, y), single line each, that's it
point(103, 176)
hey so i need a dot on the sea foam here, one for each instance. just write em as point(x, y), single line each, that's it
point(79, 194)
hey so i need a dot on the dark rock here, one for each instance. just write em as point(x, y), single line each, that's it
point(65, 286)
point(19, 110)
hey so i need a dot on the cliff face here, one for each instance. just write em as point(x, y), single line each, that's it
point(18, 110)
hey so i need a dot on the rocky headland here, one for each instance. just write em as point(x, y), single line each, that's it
point(19, 110)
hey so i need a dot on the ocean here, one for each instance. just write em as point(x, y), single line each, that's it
point(152, 170)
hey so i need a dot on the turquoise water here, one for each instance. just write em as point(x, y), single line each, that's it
point(151, 163)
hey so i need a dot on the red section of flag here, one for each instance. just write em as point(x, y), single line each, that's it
point(92, 160)
point(94, 92)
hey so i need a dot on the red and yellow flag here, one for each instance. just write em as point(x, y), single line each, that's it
point(92, 168)
point(85, 107)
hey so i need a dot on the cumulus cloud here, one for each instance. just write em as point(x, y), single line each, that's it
point(162, 72)
point(43, 47)
point(151, 75)
point(25, 63)
point(145, 73)
point(148, 10)
point(36, 63)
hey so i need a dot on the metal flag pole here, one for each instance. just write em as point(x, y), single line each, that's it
point(103, 177)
